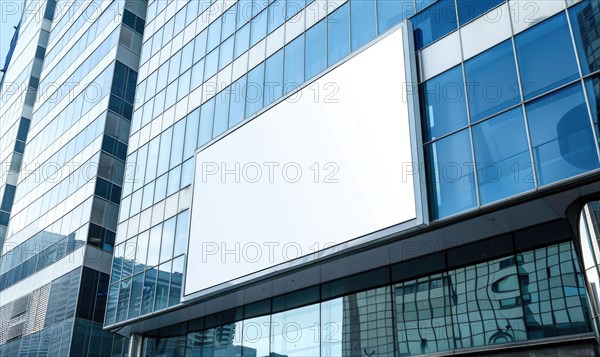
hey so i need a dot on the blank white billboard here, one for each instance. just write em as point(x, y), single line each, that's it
point(309, 176)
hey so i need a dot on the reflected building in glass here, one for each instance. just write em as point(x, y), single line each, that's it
point(67, 99)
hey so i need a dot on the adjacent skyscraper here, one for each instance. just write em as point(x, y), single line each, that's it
point(67, 102)
point(301, 178)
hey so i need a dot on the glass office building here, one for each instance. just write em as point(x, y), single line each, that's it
point(507, 108)
point(67, 99)
point(500, 101)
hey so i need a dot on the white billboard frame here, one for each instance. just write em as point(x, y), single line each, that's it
point(416, 143)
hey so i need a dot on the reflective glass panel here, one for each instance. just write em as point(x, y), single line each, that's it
point(503, 166)
point(450, 175)
point(221, 112)
point(546, 56)
point(274, 78)
point(207, 112)
point(276, 14)
point(149, 289)
point(434, 22)
point(424, 322)
point(444, 104)
point(561, 135)
point(256, 335)
point(470, 9)
point(492, 81)
point(238, 102)
point(338, 35)
point(242, 40)
point(363, 25)
point(255, 88)
point(168, 238)
point(162, 286)
point(316, 49)
point(593, 91)
point(390, 13)
point(176, 280)
point(154, 246)
point(585, 19)
point(293, 332)
point(181, 233)
point(293, 68)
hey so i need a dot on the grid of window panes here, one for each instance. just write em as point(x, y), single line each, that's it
point(160, 167)
point(241, 48)
point(147, 271)
point(521, 297)
point(84, 146)
point(524, 111)
point(59, 319)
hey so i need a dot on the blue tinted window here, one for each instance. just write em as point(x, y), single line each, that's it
point(183, 85)
point(181, 233)
point(165, 150)
point(316, 49)
point(258, 6)
point(177, 144)
point(362, 22)
point(229, 19)
point(176, 280)
point(293, 68)
point(173, 181)
point(450, 175)
point(168, 239)
point(244, 12)
point(276, 14)
point(503, 166)
point(561, 135)
point(421, 4)
point(585, 18)
point(242, 40)
point(162, 286)
point(214, 35)
point(338, 35)
point(211, 64)
point(123, 303)
point(470, 9)
point(221, 112)
point(390, 13)
point(434, 22)
point(259, 28)
point(191, 134)
point(148, 294)
point(274, 78)
point(154, 246)
point(187, 57)
point(293, 7)
point(206, 122)
point(546, 56)
point(226, 53)
point(238, 102)
point(200, 46)
point(254, 91)
point(197, 75)
point(593, 92)
point(135, 301)
point(492, 81)
point(443, 103)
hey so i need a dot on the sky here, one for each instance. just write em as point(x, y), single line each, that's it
point(10, 13)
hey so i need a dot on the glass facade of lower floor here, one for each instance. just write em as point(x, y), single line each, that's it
point(530, 295)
